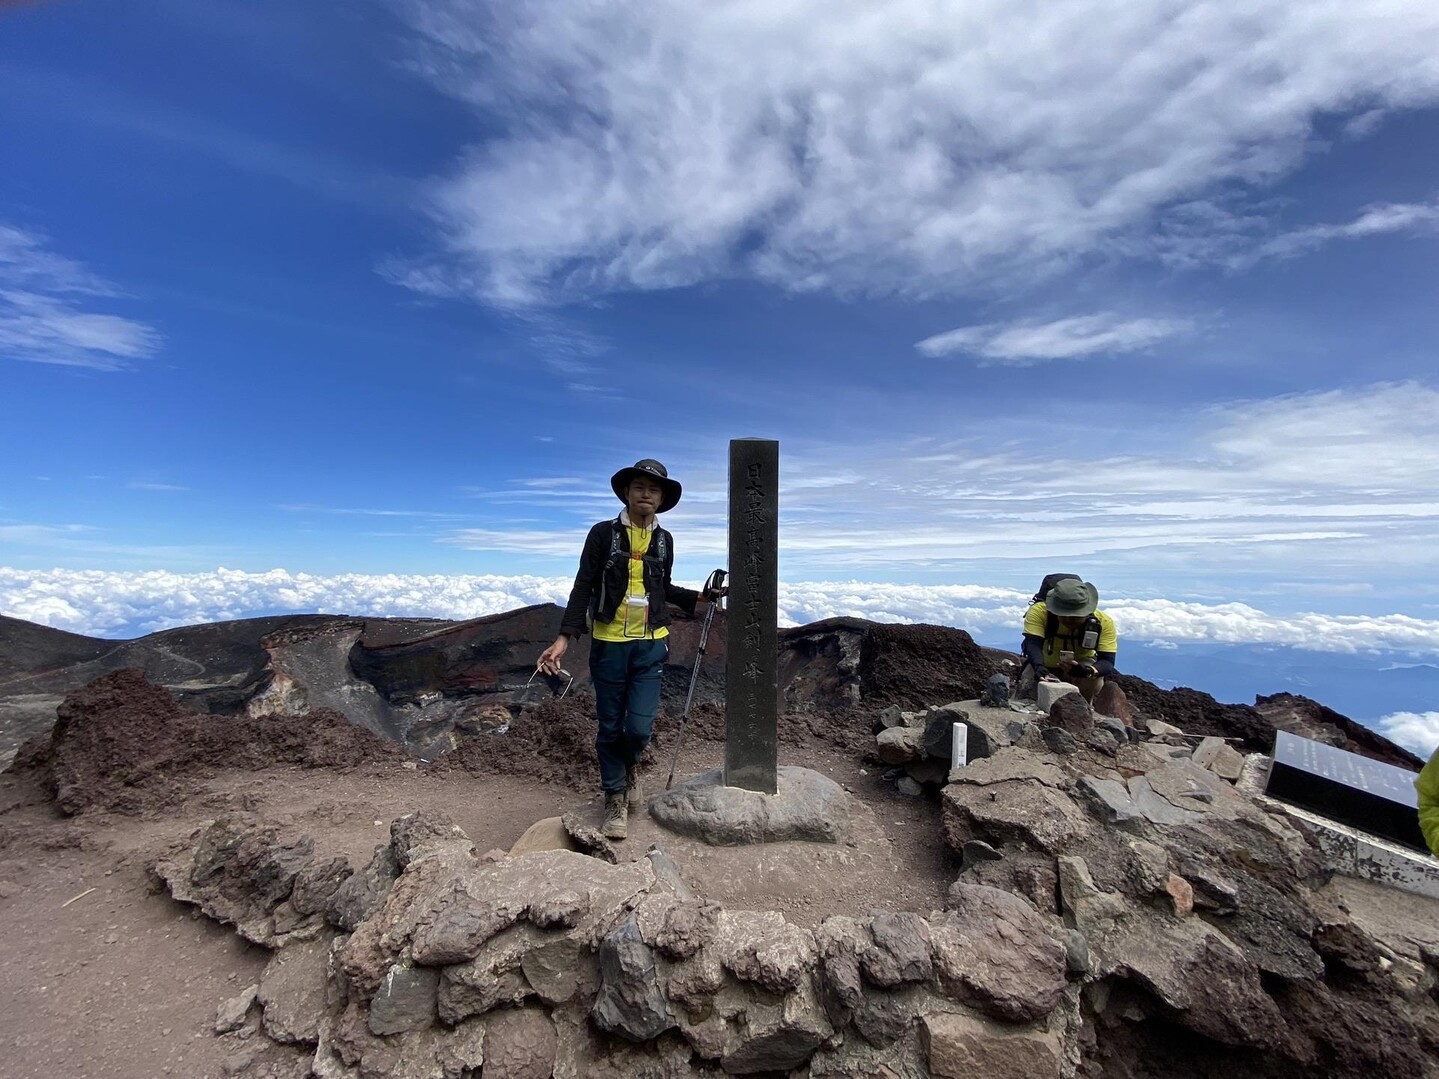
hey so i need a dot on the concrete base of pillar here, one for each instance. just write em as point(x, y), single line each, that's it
point(1357, 854)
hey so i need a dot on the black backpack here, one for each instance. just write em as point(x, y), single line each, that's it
point(1051, 623)
point(619, 548)
point(1050, 580)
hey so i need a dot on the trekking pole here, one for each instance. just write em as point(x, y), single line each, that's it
point(713, 582)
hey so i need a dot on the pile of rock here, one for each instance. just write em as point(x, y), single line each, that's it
point(433, 962)
point(1121, 908)
point(921, 742)
point(1195, 908)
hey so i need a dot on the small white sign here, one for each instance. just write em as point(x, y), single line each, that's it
point(959, 746)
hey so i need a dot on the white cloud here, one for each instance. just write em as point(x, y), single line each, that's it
point(1415, 731)
point(25, 262)
point(19, 532)
point(353, 511)
point(920, 147)
point(1341, 485)
point(1411, 218)
point(41, 319)
point(518, 541)
point(1022, 343)
point(1382, 440)
point(101, 603)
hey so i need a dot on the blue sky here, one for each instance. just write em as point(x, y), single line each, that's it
point(382, 292)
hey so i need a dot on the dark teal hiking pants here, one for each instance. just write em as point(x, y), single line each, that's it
point(626, 677)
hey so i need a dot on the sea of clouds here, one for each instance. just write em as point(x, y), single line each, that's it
point(110, 604)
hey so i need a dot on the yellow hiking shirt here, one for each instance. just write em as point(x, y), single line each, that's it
point(631, 622)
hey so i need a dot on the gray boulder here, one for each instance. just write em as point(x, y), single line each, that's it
point(231, 1015)
point(900, 950)
point(241, 872)
point(995, 952)
point(840, 941)
point(293, 991)
point(631, 1002)
point(360, 894)
point(1024, 811)
point(763, 948)
point(1220, 758)
point(419, 835)
point(1109, 799)
point(405, 1001)
point(555, 970)
point(806, 806)
point(961, 1047)
point(496, 977)
point(317, 883)
point(898, 745)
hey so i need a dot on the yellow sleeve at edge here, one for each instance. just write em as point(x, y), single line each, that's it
point(1428, 787)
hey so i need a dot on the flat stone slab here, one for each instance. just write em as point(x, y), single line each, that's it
point(805, 806)
point(1049, 692)
point(1010, 763)
point(1110, 798)
point(1156, 809)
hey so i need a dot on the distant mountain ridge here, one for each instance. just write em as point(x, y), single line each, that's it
point(427, 682)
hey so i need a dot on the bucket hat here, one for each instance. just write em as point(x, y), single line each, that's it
point(650, 469)
point(1072, 599)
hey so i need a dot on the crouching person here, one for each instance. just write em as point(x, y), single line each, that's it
point(1067, 638)
point(620, 591)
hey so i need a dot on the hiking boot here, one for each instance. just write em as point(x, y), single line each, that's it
point(634, 793)
point(616, 822)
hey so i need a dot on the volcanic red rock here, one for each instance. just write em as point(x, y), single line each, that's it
point(123, 744)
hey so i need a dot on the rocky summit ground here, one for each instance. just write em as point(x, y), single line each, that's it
point(279, 848)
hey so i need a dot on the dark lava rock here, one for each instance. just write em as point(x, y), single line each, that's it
point(1060, 741)
point(1071, 714)
point(123, 744)
point(918, 665)
point(1198, 713)
point(1310, 719)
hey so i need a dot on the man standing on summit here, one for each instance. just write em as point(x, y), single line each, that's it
point(1068, 638)
point(620, 592)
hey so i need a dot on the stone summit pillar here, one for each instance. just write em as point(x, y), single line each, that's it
point(752, 648)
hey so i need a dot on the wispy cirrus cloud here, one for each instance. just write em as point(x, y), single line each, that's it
point(306, 166)
point(891, 150)
point(1028, 342)
point(1412, 218)
point(44, 315)
point(364, 511)
point(72, 541)
point(1339, 485)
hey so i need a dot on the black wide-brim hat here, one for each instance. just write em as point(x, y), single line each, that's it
point(650, 469)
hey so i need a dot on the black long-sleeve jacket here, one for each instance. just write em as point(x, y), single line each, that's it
point(602, 580)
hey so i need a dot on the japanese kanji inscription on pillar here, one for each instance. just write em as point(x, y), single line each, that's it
point(751, 690)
